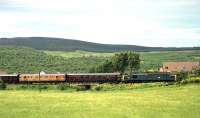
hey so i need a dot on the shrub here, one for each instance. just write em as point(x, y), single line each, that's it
point(182, 76)
point(32, 87)
point(98, 88)
point(192, 80)
point(197, 72)
point(83, 88)
point(61, 86)
point(43, 87)
point(23, 87)
point(2, 85)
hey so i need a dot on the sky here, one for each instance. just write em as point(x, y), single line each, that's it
point(166, 23)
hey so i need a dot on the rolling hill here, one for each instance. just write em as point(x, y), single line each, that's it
point(59, 44)
point(28, 60)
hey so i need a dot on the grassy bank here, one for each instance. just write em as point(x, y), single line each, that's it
point(157, 102)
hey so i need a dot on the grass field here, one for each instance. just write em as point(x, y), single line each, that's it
point(78, 53)
point(155, 102)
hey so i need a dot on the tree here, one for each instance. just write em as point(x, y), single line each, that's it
point(107, 66)
point(133, 61)
point(120, 62)
point(104, 67)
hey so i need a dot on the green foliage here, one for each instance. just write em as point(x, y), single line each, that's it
point(83, 88)
point(98, 88)
point(27, 60)
point(119, 63)
point(149, 60)
point(182, 76)
point(106, 66)
point(133, 61)
point(2, 85)
point(31, 87)
point(197, 72)
point(62, 86)
point(191, 80)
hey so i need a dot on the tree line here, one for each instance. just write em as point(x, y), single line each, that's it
point(120, 62)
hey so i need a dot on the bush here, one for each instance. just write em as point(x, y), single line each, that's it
point(197, 72)
point(62, 86)
point(32, 87)
point(83, 87)
point(2, 85)
point(192, 80)
point(43, 87)
point(98, 88)
point(182, 76)
point(22, 87)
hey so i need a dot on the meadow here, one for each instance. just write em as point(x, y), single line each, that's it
point(172, 101)
point(78, 53)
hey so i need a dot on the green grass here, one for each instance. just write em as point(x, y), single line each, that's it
point(155, 102)
point(78, 53)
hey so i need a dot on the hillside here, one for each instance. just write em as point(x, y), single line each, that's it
point(27, 60)
point(58, 44)
point(150, 60)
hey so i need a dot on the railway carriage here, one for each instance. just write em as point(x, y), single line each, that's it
point(31, 78)
point(93, 78)
point(10, 78)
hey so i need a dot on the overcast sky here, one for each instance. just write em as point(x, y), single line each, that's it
point(137, 22)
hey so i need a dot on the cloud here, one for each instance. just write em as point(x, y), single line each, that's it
point(137, 22)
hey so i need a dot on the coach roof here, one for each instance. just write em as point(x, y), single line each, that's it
point(8, 75)
point(93, 74)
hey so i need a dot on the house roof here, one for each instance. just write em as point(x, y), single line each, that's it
point(180, 66)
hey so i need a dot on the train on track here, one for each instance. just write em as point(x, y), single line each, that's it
point(87, 78)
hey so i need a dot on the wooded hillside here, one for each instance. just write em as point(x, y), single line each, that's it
point(58, 44)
